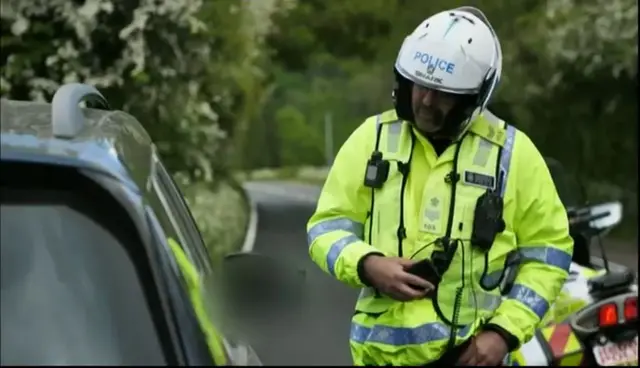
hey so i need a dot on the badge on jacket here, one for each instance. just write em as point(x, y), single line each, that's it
point(432, 216)
point(479, 180)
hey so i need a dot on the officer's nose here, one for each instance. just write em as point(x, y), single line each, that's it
point(428, 97)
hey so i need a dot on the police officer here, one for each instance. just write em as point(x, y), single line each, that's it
point(444, 215)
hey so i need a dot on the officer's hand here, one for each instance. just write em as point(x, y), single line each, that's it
point(388, 275)
point(488, 349)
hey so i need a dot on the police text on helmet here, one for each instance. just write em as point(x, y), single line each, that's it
point(434, 62)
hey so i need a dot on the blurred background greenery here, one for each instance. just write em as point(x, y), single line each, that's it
point(238, 85)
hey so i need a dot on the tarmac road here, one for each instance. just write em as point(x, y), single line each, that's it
point(316, 333)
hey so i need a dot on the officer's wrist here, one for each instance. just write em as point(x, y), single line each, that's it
point(362, 275)
point(511, 341)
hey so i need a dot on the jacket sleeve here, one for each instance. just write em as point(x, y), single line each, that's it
point(542, 231)
point(335, 232)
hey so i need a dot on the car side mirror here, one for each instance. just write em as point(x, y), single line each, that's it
point(256, 283)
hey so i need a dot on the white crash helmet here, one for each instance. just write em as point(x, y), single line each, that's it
point(455, 51)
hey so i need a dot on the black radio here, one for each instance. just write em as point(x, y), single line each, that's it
point(377, 171)
point(426, 270)
point(487, 221)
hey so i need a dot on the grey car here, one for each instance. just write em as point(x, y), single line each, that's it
point(89, 216)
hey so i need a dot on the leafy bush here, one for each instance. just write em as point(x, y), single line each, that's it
point(222, 215)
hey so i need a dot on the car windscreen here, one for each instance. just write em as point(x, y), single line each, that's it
point(70, 293)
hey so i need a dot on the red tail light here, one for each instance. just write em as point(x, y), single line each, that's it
point(631, 308)
point(608, 315)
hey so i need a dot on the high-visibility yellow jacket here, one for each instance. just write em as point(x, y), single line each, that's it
point(352, 221)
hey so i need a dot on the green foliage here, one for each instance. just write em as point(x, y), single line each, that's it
point(569, 77)
point(316, 27)
point(222, 215)
point(303, 143)
point(172, 64)
point(571, 83)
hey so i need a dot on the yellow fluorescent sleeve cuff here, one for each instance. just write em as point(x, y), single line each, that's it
point(338, 254)
point(519, 321)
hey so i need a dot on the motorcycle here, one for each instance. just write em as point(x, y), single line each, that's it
point(593, 321)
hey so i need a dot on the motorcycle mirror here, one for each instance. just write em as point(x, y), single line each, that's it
point(611, 215)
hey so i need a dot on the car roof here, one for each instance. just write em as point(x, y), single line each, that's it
point(112, 142)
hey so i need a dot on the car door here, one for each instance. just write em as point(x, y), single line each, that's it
point(175, 217)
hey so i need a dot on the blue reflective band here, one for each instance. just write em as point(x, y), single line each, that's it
point(402, 336)
point(505, 158)
point(336, 249)
point(328, 226)
point(543, 254)
point(547, 255)
point(530, 298)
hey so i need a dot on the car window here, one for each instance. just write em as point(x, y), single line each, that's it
point(161, 213)
point(178, 224)
point(178, 214)
point(70, 290)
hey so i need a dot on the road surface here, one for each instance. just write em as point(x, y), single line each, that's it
point(315, 333)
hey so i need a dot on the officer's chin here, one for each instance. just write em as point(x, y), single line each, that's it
point(429, 127)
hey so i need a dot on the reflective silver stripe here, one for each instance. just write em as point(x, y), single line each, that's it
point(505, 157)
point(336, 249)
point(547, 255)
point(366, 292)
point(474, 298)
point(483, 300)
point(482, 153)
point(484, 147)
point(393, 136)
point(530, 298)
point(335, 224)
point(490, 116)
point(487, 301)
point(403, 336)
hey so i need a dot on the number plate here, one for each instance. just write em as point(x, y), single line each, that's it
point(620, 354)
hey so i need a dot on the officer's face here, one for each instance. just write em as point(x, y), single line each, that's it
point(430, 108)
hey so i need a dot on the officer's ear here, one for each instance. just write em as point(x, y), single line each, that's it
point(402, 92)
